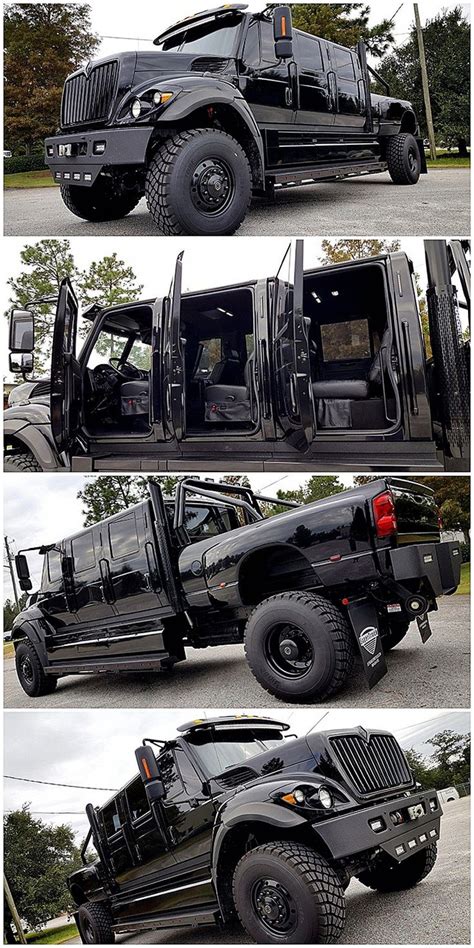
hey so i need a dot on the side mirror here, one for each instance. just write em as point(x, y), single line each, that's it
point(23, 572)
point(283, 33)
point(21, 363)
point(150, 774)
point(22, 331)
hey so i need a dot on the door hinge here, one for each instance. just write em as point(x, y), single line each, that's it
point(289, 97)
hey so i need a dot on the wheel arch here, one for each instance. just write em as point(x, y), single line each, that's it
point(30, 439)
point(282, 560)
point(409, 122)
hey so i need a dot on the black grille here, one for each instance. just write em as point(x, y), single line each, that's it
point(88, 99)
point(374, 765)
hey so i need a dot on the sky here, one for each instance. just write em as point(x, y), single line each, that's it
point(97, 747)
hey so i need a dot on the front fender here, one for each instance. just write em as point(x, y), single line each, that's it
point(30, 426)
point(33, 630)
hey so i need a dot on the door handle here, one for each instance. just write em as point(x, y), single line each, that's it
point(107, 586)
point(294, 402)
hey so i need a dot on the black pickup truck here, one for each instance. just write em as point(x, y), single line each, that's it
point(231, 105)
point(233, 819)
point(322, 368)
point(304, 590)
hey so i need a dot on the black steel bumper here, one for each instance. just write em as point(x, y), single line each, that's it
point(438, 564)
point(351, 833)
point(78, 158)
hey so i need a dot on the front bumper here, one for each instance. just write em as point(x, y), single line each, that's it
point(123, 146)
point(351, 833)
point(437, 564)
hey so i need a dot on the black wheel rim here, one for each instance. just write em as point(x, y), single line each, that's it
point(289, 651)
point(212, 186)
point(274, 907)
point(413, 160)
point(88, 932)
point(26, 669)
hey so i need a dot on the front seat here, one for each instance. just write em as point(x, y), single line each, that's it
point(228, 371)
point(229, 403)
point(135, 397)
point(355, 388)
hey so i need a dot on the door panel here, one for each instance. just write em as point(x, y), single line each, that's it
point(66, 377)
point(316, 105)
point(351, 110)
point(133, 577)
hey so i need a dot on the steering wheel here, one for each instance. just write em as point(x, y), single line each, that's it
point(125, 368)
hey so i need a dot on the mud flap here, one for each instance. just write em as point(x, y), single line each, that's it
point(364, 621)
point(424, 627)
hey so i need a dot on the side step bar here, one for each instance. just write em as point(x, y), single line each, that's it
point(290, 178)
point(155, 662)
point(191, 919)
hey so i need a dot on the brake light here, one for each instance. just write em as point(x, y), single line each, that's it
point(384, 514)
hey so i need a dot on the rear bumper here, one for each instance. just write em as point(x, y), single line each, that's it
point(437, 564)
point(122, 146)
point(351, 833)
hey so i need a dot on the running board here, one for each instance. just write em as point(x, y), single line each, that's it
point(290, 178)
point(141, 663)
point(192, 919)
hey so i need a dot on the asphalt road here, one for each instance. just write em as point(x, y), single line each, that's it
point(439, 205)
point(435, 675)
point(436, 912)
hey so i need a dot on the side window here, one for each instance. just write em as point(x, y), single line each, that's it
point(83, 552)
point(211, 354)
point(170, 776)
point(343, 62)
point(251, 55)
point(191, 779)
point(110, 819)
point(201, 521)
point(53, 567)
point(309, 52)
point(349, 340)
point(267, 42)
point(137, 799)
point(123, 537)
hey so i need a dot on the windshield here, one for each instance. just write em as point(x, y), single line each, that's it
point(217, 37)
point(111, 346)
point(221, 749)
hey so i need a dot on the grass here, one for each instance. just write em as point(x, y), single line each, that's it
point(8, 650)
point(29, 179)
point(53, 936)
point(448, 159)
point(464, 587)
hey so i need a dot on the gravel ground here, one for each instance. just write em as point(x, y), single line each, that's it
point(434, 913)
point(432, 676)
point(439, 205)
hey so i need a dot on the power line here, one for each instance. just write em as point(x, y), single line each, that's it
point(49, 783)
point(53, 812)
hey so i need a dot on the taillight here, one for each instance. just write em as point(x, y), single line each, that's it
point(384, 514)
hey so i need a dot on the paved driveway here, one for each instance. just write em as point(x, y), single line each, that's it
point(439, 205)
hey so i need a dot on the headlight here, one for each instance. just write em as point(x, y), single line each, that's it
point(136, 108)
point(325, 798)
point(159, 98)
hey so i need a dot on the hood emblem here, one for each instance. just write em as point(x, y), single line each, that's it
point(88, 70)
point(364, 734)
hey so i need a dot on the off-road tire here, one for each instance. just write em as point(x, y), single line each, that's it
point(99, 202)
point(403, 159)
point(314, 888)
point(391, 876)
point(396, 633)
point(20, 462)
point(36, 683)
point(168, 183)
point(95, 924)
point(324, 626)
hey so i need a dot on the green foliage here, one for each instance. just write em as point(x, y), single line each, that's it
point(316, 488)
point(54, 936)
point(109, 282)
point(10, 611)
point(453, 497)
point(38, 859)
point(466, 552)
point(344, 23)
point(20, 163)
point(44, 42)
point(449, 763)
point(447, 46)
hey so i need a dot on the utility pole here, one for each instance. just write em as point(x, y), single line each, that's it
point(12, 571)
point(425, 83)
point(14, 912)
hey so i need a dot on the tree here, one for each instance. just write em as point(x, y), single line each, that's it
point(44, 42)
point(110, 282)
point(316, 488)
point(344, 23)
point(451, 757)
point(38, 858)
point(420, 767)
point(447, 45)
point(10, 611)
point(339, 251)
point(452, 496)
point(45, 264)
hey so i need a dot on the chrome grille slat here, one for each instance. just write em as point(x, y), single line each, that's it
point(374, 765)
point(89, 99)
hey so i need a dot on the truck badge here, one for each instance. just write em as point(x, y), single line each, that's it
point(368, 639)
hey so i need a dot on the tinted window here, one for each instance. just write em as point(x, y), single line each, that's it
point(137, 799)
point(111, 819)
point(169, 775)
point(53, 559)
point(252, 45)
point(211, 354)
point(191, 779)
point(350, 340)
point(267, 42)
point(232, 747)
point(309, 52)
point(83, 552)
point(123, 536)
point(217, 37)
point(343, 62)
point(203, 522)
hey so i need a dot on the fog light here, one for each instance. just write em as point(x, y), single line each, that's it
point(377, 825)
point(411, 843)
point(433, 805)
point(87, 177)
point(400, 850)
point(99, 148)
point(66, 175)
point(77, 176)
point(58, 174)
point(325, 798)
point(50, 150)
point(423, 838)
point(433, 833)
point(136, 108)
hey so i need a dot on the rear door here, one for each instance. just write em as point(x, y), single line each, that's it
point(316, 99)
point(350, 90)
point(174, 380)
point(66, 376)
point(130, 565)
point(290, 330)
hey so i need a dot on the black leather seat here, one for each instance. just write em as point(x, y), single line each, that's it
point(229, 403)
point(228, 371)
point(135, 397)
point(355, 388)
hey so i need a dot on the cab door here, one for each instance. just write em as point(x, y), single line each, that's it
point(351, 98)
point(174, 380)
point(290, 330)
point(66, 376)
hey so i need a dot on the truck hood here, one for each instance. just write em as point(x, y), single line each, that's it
point(37, 390)
point(160, 65)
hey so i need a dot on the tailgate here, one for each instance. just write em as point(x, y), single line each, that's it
point(416, 511)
